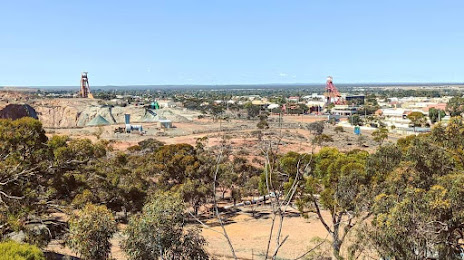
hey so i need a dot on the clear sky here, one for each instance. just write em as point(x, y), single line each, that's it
point(46, 43)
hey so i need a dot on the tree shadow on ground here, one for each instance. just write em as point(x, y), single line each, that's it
point(58, 256)
point(258, 214)
point(226, 217)
point(229, 214)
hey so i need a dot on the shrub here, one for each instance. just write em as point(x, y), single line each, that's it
point(159, 232)
point(90, 230)
point(15, 251)
point(263, 124)
point(339, 129)
point(317, 127)
point(38, 235)
point(83, 199)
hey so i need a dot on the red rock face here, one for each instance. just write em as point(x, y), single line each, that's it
point(17, 111)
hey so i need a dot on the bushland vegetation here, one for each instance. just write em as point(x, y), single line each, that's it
point(403, 201)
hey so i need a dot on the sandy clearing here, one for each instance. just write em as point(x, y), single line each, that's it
point(250, 235)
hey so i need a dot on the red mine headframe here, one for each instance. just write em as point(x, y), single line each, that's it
point(85, 88)
point(331, 93)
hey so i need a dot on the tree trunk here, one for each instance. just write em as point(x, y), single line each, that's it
point(161, 253)
point(336, 245)
point(252, 207)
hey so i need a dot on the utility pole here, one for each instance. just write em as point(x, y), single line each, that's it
point(365, 109)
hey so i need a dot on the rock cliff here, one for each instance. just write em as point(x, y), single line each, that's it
point(74, 112)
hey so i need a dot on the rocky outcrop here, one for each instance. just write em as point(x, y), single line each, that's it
point(69, 113)
point(17, 111)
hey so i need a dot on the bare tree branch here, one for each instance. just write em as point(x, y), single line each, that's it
point(204, 225)
point(318, 212)
point(278, 247)
point(314, 248)
point(219, 158)
point(10, 196)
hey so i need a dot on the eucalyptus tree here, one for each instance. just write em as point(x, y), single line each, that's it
point(340, 185)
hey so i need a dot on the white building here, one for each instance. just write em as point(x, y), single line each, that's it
point(343, 110)
point(273, 106)
point(397, 116)
point(166, 103)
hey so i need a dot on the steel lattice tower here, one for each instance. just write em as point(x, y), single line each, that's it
point(331, 92)
point(85, 88)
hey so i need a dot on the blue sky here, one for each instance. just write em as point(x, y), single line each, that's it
point(46, 43)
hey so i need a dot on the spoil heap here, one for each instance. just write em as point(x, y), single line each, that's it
point(98, 121)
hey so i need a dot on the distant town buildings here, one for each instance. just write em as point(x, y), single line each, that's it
point(394, 111)
point(344, 110)
point(167, 103)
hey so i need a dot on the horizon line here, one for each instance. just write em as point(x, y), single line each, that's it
point(242, 84)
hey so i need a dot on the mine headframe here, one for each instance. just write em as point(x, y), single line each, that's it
point(331, 93)
point(85, 87)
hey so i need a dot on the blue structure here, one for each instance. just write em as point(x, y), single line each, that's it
point(357, 130)
point(129, 127)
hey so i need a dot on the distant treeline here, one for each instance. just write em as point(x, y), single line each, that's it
point(224, 92)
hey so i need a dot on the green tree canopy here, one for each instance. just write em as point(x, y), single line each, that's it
point(380, 135)
point(11, 250)
point(316, 127)
point(340, 185)
point(159, 233)
point(417, 119)
point(90, 231)
point(417, 213)
point(436, 115)
point(455, 106)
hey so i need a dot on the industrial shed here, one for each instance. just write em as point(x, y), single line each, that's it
point(164, 123)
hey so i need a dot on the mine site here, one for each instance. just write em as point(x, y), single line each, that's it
point(244, 130)
point(127, 123)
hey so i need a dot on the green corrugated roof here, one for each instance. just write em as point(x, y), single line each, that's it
point(98, 120)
